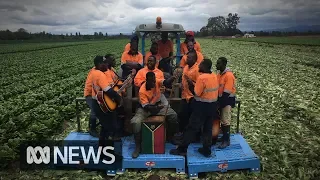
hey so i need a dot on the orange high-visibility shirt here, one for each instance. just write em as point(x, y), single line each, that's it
point(184, 48)
point(127, 47)
point(158, 57)
point(150, 97)
point(183, 61)
point(88, 84)
point(138, 59)
point(165, 48)
point(193, 74)
point(206, 88)
point(227, 83)
point(141, 76)
point(101, 81)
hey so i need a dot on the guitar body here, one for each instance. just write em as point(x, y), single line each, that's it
point(108, 104)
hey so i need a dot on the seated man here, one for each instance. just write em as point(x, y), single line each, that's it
point(132, 59)
point(133, 39)
point(153, 52)
point(102, 81)
point(152, 102)
point(140, 78)
point(204, 107)
point(183, 61)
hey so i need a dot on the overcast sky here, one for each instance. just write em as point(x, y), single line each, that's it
point(112, 16)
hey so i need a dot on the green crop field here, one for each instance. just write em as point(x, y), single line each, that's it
point(278, 85)
point(308, 41)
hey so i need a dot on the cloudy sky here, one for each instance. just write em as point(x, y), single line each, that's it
point(112, 16)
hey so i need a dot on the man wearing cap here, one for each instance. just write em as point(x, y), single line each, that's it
point(184, 46)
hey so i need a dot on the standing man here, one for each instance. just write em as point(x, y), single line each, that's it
point(152, 102)
point(190, 72)
point(227, 98)
point(205, 93)
point(165, 46)
point(103, 81)
point(88, 96)
point(191, 48)
point(184, 47)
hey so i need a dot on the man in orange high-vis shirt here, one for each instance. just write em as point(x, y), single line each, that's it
point(190, 72)
point(152, 102)
point(132, 59)
point(183, 61)
point(88, 96)
point(204, 107)
point(184, 47)
point(133, 38)
point(153, 52)
point(104, 82)
point(165, 46)
point(140, 78)
point(227, 98)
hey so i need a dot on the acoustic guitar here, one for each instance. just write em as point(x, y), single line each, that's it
point(108, 104)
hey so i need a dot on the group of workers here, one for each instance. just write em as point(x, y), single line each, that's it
point(206, 95)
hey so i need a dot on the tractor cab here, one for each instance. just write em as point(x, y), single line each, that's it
point(157, 29)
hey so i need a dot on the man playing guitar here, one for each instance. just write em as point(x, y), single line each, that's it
point(102, 81)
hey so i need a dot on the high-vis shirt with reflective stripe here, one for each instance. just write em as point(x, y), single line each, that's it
point(206, 88)
point(150, 97)
point(227, 83)
point(125, 58)
point(183, 61)
point(158, 57)
point(193, 74)
point(141, 75)
point(88, 84)
point(101, 81)
point(184, 48)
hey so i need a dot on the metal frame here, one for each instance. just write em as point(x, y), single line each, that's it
point(82, 99)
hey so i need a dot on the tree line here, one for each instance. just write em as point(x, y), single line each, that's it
point(23, 34)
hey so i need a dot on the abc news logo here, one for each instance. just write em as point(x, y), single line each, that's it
point(47, 154)
point(68, 154)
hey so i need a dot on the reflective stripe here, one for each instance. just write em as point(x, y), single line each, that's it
point(211, 89)
point(227, 91)
point(107, 88)
point(143, 105)
point(205, 100)
point(231, 95)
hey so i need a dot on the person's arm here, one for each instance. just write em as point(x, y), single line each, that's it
point(228, 86)
point(88, 85)
point(183, 61)
point(199, 87)
point(153, 109)
point(139, 79)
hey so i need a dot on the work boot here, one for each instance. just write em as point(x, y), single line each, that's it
point(137, 150)
point(226, 137)
point(180, 151)
point(206, 148)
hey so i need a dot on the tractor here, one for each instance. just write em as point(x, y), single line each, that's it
point(237, 156)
